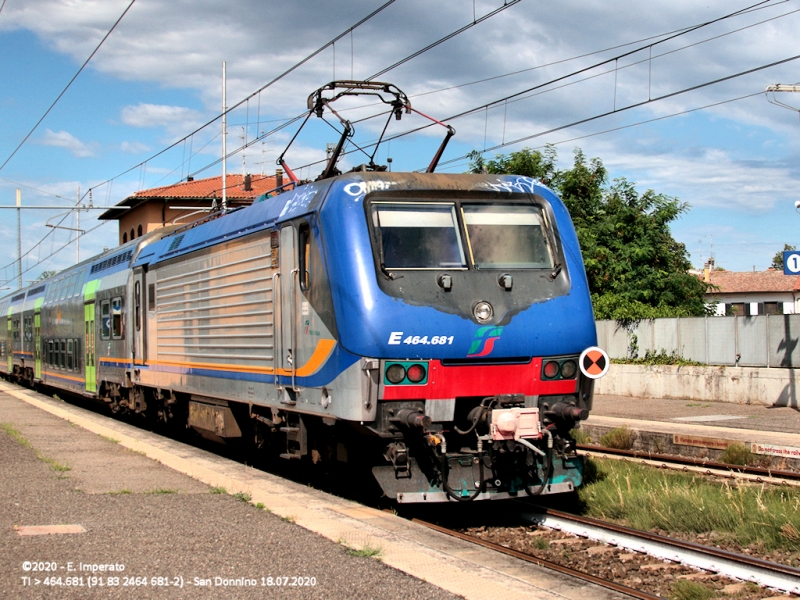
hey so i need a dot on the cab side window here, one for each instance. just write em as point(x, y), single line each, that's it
point(105, 319)
point(304, 248)
point(116, 318)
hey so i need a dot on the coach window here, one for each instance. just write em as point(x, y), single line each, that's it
point(15, 330)
point(304, 246)
point(50, 358)
point(105, 319)
point(137, 305)
point(63, 354)
point(116, 318)
point(70, 365)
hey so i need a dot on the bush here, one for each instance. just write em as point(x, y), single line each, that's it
point(620, 438)
point(737, 454)
point(580, 436)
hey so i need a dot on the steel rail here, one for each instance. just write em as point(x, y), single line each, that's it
point(696, 462)
point(707, 558)
point(617, 587)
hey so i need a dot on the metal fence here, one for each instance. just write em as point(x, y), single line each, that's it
point(759, 341)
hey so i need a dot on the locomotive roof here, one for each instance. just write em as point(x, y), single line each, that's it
point(266, 212)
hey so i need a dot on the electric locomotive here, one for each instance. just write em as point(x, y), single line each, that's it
point(428, 325)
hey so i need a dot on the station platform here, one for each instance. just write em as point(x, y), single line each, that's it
point(701, 429)
point(90, 500)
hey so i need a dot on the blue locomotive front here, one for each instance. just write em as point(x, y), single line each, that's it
point(466, 299)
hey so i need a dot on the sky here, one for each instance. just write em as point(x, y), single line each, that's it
point(724, 148)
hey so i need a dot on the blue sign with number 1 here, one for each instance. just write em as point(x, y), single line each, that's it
point(791, 262)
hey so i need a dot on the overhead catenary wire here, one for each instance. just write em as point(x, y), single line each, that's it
point(411, 56)
point(506, 5)
point(258, 91)
point(465, 159)
point(287, 123)
point(615, 59)
point(74, 77)
point(635, 105)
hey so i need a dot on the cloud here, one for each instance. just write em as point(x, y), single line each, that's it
point(158, 115)
point(134, 147)
point(64, 139)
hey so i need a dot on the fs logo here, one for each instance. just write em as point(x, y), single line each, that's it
point(483, 344)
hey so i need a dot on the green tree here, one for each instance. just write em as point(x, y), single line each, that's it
point(636, 269)
point(777, 260)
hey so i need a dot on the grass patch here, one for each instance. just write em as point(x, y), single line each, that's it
point(22, 441)
point(218, 490)
point(54, 464)
point(366, 551)
point(110, 439)
point(646, 498)
point(659, 358)
point(122, 492)
point(243, 496)
point(540, 543)
point(163, 491)
point(262, 506)
point(290, 519)
point(684, 589)
point(737, 454)
point(621, 438)
point(14, 433)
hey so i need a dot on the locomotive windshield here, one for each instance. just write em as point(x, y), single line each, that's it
point(507, 237)
point(417, 235)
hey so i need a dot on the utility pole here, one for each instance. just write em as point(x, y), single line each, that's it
point(19, 236)
point(224, 146)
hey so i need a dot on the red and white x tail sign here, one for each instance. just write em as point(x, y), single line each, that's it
point(594, 362)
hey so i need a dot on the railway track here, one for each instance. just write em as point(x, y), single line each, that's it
point(689, 554)
point(612, 585)
point(705, 467)
point(707, 558)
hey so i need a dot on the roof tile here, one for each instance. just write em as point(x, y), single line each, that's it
point(731, 282)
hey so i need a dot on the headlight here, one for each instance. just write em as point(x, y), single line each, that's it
point(483, 312)
point(395, 373)
point(568, 369)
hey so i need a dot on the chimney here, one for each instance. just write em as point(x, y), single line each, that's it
point(278, 177)
point(707, 268)
point(248, 187)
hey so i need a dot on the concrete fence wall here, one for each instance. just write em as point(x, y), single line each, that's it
point(759, 341)
point(742, 385)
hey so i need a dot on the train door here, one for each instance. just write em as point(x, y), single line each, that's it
point(88, 347)
point(10, 341)
point(139, 347)
point(285, 338)
point(37, 341)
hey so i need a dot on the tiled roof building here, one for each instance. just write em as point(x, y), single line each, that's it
point(184, 202)
point(753, 292)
